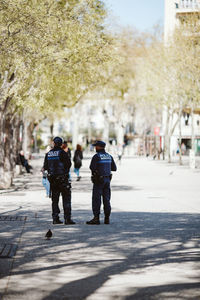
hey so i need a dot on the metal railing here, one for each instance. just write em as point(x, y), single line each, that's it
point(188, 4)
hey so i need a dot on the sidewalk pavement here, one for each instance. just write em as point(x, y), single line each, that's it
point(149, 251)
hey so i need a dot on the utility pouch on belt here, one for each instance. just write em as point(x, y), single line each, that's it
point(58, 178)
point(96, 179)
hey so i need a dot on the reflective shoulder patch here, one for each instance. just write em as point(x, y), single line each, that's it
point(53, 153)
point(105, 156)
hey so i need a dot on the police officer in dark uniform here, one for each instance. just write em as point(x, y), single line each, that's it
point(58, 163)
point(101, 166)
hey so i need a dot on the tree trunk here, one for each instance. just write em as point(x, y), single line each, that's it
point(171, 131)
point(30, 136)
point(6, 174)
point(75, 129)
point(7, 162)
point(192, 129)
point(7, 171)
point(180, 138)
point(17, 145)
point(169, 148)
point(106, 128)
point(8, 146)
point(51, 130)
point(89, 132)
point(192, 151)
point(120, 134)
point(166, 140)
point(2, 177)
point(25, 138)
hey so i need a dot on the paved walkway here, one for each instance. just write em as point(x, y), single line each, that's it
point(150, 250)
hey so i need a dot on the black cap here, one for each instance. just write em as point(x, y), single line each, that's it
point(100, 144)
point(58, 141)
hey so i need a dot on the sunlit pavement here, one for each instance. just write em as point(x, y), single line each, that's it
point(149, 251)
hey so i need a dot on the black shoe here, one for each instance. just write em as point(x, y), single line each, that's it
point(57, 221)
point(94, 221)
point(69, 222)
point(107, 220)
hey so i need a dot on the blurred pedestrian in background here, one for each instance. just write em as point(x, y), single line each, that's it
point(78, 156)
point(66, 148)
point(24, 162)
point(120, 150)
point(183, 148)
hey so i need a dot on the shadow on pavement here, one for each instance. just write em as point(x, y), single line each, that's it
point(134, 242)
point(85, 186)
point(33, 182)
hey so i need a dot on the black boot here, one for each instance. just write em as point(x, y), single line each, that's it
point(107, 220)
point(94, 221)
point(57, 221)
point(69, 222)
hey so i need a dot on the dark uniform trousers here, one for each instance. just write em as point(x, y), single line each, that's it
point(60, 186)
point(101, 190)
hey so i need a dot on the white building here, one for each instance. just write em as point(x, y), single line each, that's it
point(174, 11)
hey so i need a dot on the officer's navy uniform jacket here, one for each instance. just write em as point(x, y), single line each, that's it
point(58, 163)
point(102, 163)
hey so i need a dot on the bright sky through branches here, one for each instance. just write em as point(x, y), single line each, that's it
point(141, 14)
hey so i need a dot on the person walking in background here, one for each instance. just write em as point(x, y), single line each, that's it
point(68, 151)
point(101, 166)
point(78, 156)
point(66, 148)
point(120, 150)
point(183, 149)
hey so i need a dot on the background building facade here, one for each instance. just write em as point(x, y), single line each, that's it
point(175, 12)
